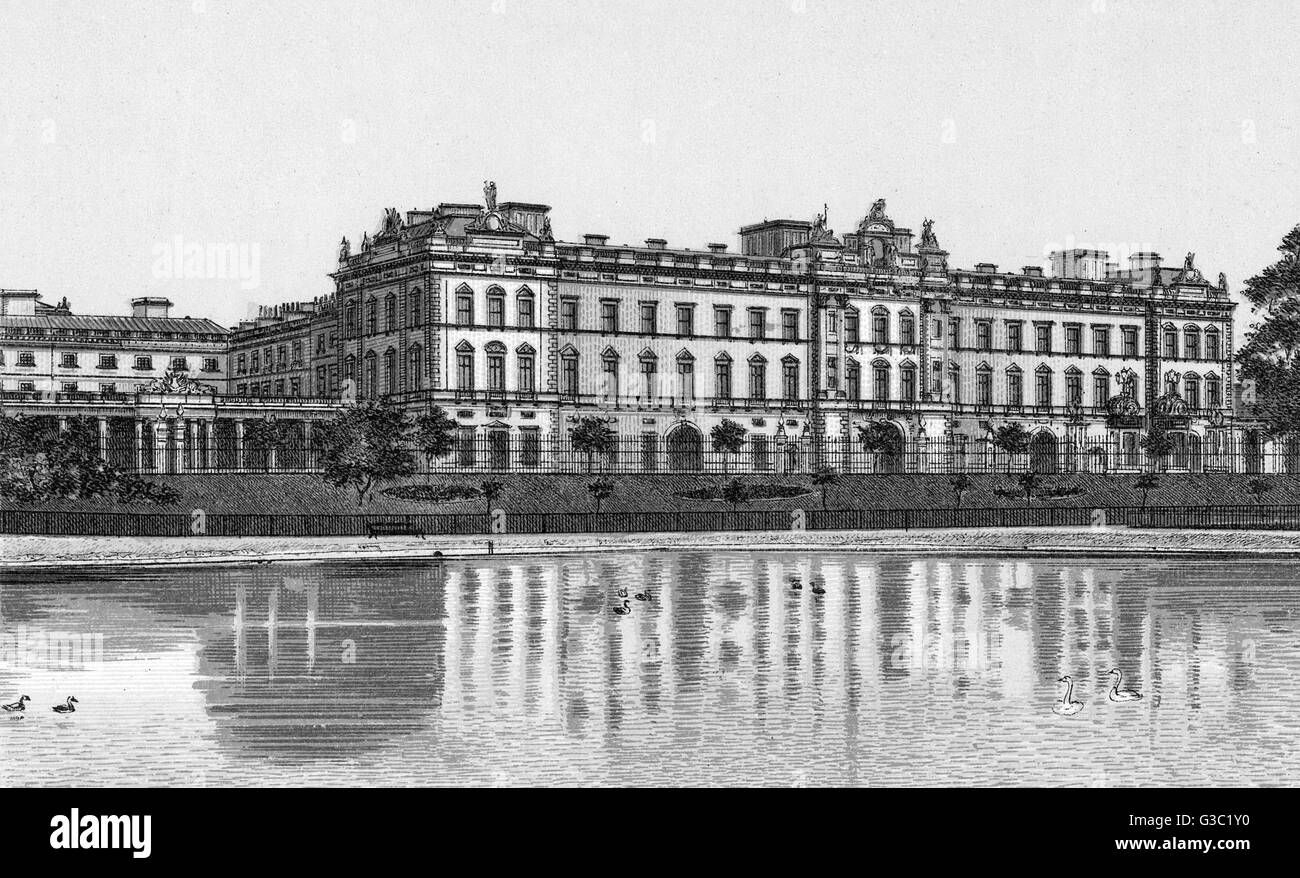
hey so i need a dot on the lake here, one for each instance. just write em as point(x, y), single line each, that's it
point(877, 670)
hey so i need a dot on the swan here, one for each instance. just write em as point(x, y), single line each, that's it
point(1066, 707)
point(1118, 694)
point(66, 707)
point(818, 589)
point(643, 595)
point(17, 705)
point(622, 592)
point(796, 585)
point(623, 610)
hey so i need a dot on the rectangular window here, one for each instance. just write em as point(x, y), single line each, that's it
point(722, 379)
point(685, 379)
point(1100, 390)
point(1015, 337)
point(144, 362)
point(465, 371)
point(108, 389)
point(108, 361)
point(1043, 338)
point(722, 322)
point(1130, 341)
point(649, 318)
point(758, 381)
point(907, 330)
point(762, 460)
point(295, 387)
point(1213, 393)
point(908, 378)
point(649, 373)
point(257, 362)
point(26, 358)
point(790, 380)
point(569, 314)
point(69, 361)
point(530, 447)
point(464, 309)
point(852, 328)
point(832, 373)
point(1073, 389)
point(853, 378)
point(1043, 389)
point(880, 383)
point(880, 329)
point(496, 372)
point(1073, 339)
point(790, 325)
point(69, 387)
point(984, 388)
point(279, 387)
point(649, 451)
point(1101, 341)
point(954, 331)
point(525, 308)
point(496, 311)
point(1171, 343)
point(465, 446)
point(685, 320)
point(1015, 389)
point(569, 376)
point(758, 323)
point(526, 381)
point(609, 316)
point(210, 364)
point(609, 379)
point(984, 335)
point(372, 320)
point(1211, 345)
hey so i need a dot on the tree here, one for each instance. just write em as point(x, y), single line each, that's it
point(39, 461)
point(1146, 483)
point(435, 435)
point(491, 491)
point(1027, 482)
point(960, 484)
point(365, 445)
point(264, 436)
point(728, 438)
point(1258, 488)
point(735, 493)
point(600, 490)
point(592, 436)
point(878, 437)
point(1158, 446)
point(1013, 439)
point(822, 477)
point(1270, 357)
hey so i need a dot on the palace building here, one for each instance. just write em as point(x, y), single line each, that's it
point(867, 352)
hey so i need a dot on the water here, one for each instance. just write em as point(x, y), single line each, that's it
point(501, 672)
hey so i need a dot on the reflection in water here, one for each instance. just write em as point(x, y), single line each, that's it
point(879, 670)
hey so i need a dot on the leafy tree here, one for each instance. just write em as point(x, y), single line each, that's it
point(728, 438)
point(1011, 438)
point(1270, 357)
point(1158, 446)
point(877, 438)
point(592, 436)
point(822, 477)
point(735, 493)
point(960, 484)
point(435, 434)
point(491, 491)
point(264, 436)
point(1258, 488)
point(365, 445)
point(1027, 482)
point(39, 461)
point(1146, 483)
point(600, 490)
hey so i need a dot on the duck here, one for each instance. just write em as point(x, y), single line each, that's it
point(623, 610)
point(1066, 707)
point(18, 705)
point(643, 595)
point(66, 707)
point(796, 585)
point(818, 589)
point(622, 592)
point(1118, 694)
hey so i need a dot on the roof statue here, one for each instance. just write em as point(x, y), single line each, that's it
point(1223, 282)
point(546, 229)
point(345, 250)
point(490, 195)
point(178, 382)
point(819, 232)
point(878, 211)
point(927, 234)
point(1189, 274)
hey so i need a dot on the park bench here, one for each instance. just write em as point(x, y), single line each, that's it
point(394, 528)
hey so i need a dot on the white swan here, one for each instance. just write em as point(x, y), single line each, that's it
point(1066, 707)
point(1118, 694)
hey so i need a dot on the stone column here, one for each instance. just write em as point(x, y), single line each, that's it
point(181, 440)
point(210, 444)
point(161, 442)
point(102, 424)
point(139, 444)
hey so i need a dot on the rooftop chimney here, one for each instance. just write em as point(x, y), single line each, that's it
point(656, 243)
point(1144, 260)
point(150, 306)
point(717, 248)
point(1033, 270)
point(595, 240)
point(986, 268)
point(18, 303)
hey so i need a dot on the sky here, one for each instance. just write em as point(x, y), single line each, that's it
point(267, 131)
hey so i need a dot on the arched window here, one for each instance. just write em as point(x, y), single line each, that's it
point(1213, 391)
point(465, 367)
point(350, 319)
point(496, 305)
point(1171, 341)
point(390, 312)
point(1192, 390)
point(906, 328)
point(790, 377)
point(415, 367)
point(569, 371)
point(685, 375)
point(609, 374)
point(722, 376)
point(1043, 386)
point(880, 380)
point(527, 381)
point(496, 366)
point(370, 383)
point(390, 371)
point(1212, 351)
point(1191, 342)
point(879, 325)
point(757, 378)
point(524, 308)
point(649, 374)
point(414, 303)
point(1015, 387)
point(1100, 387)
point(372, 316)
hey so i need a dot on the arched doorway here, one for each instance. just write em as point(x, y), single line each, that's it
point(1042, 453)
point(685, 449)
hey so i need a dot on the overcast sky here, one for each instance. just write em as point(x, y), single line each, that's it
point(280, 127)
